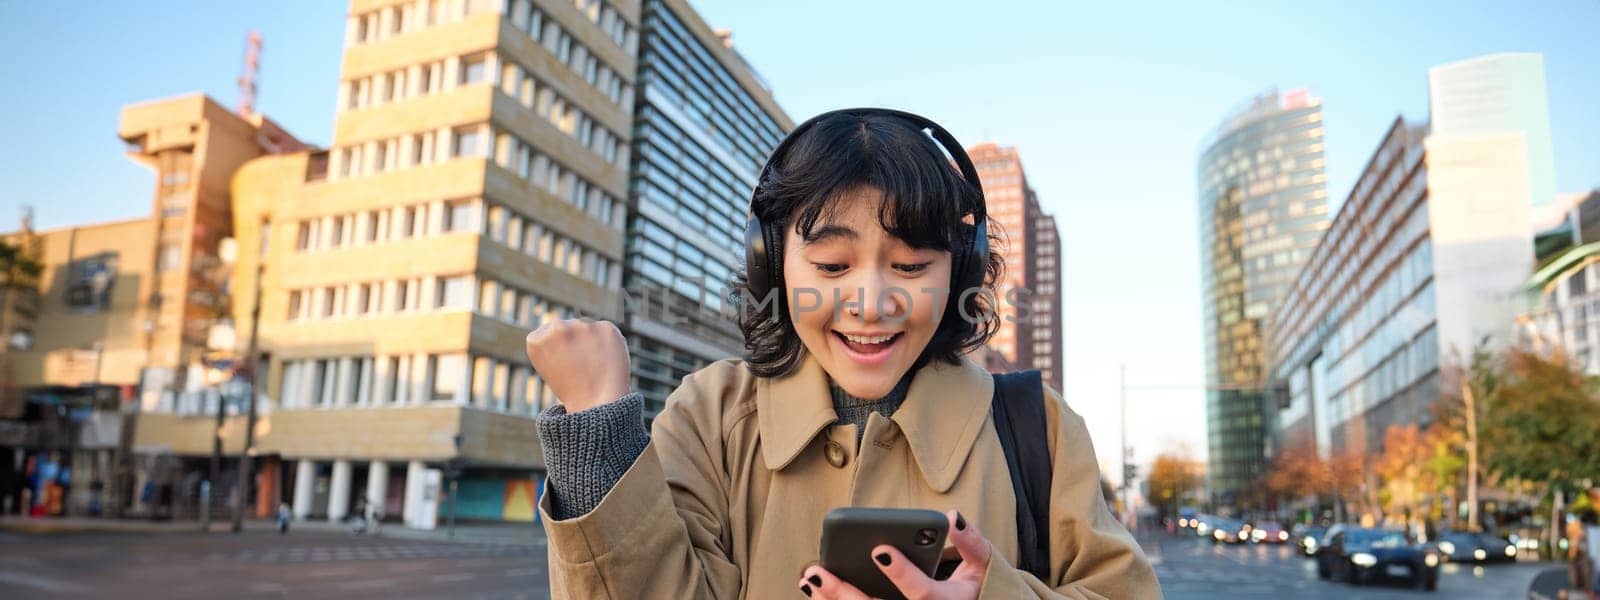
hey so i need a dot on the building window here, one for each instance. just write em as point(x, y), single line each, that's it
point(295, 298)
point(502, 386)
point(401, 288)
point(171, 257)
point(322, 382)
point(363, 295)
point(482, 370)
point(469, 142)
point(391, 381)
point(335, 231)
point(448, 370)
point(330, 302)
point(458, 215)
point(373, 220)
point(474, 69)
point(455, 293)
point(486, 298)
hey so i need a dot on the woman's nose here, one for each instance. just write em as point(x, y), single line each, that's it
point(875, 300)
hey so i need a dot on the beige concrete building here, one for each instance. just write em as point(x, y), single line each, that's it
point(124, 309)
point(475, 188)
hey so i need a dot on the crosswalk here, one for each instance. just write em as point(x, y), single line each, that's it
point(320, 553)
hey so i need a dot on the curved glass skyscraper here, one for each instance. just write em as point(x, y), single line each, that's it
point(1263, 208)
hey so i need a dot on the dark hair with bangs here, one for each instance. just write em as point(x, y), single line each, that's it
point(925, 203)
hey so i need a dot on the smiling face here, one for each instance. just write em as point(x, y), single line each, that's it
point(857, 295)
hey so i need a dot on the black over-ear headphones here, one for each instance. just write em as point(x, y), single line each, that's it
point(968, 264)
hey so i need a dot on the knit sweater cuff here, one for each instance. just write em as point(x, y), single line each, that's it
point(586, 452)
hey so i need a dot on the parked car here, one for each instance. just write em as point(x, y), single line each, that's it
point(1361, 556)
point(1465, 546)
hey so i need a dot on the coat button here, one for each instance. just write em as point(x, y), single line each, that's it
point(835, 454)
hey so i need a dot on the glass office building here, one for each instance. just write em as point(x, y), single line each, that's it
point(704, 122)
point(1263, 206)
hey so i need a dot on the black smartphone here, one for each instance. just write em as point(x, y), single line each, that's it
point(850, 534)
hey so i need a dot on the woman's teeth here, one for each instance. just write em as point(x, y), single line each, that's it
point(872, 339)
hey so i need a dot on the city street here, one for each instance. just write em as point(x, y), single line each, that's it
point(261, 564)
point(1190, 567)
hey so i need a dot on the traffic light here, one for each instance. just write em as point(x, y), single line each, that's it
point(1130, 472)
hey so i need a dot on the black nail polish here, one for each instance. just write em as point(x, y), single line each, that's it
point(806, 589)
point(961, 523)
point(815, 580)
point(882, 558)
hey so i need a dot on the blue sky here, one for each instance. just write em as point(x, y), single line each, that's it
point(1106, 102)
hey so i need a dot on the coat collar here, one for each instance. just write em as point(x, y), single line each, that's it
point(943, 413)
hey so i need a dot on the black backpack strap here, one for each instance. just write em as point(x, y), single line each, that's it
point(1019, 419)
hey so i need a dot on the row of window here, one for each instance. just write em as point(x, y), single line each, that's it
point(601, 13)
point(425, 148)
point(516, 81)
point(379, 298)
point(544, 173)
point(377, 226)
point(572, 53)
point(414, 379)
point(484, 296)
point(503, 225)
point(524, 234)
point(421, 149)
point(519, 83)
point(389, 21)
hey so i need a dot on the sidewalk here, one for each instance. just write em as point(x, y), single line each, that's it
point(507, 534)
point(59, 525)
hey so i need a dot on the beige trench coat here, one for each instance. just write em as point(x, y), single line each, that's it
point(727, 500)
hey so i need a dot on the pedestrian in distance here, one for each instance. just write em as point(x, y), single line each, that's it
point(868, 278)
point(283, 517)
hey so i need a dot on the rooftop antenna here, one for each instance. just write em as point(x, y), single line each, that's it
point(247, 79)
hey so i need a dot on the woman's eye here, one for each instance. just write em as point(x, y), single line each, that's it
point(830, 267)
point(912, 268)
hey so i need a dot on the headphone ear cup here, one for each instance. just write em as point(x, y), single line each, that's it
point(975, 261)
point(774, 246)
point(757, 277)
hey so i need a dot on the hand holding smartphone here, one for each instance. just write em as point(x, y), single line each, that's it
point(850, 534)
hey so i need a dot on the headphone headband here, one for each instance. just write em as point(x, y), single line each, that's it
point(946, 142)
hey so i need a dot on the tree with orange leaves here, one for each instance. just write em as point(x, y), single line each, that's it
point(1402, 469)
point(1172, 477)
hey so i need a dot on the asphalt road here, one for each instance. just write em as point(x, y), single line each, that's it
point(310, 564)
point(1190, 567)
point(335, 564)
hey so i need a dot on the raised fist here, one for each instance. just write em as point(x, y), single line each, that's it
point(584, 363)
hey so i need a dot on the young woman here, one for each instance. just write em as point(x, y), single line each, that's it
point(855, 391)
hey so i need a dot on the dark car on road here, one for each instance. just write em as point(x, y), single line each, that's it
point(1464, 546)
point(1269, 532)
point(1361, 556)
point(1229, 531)
point(1308, 538)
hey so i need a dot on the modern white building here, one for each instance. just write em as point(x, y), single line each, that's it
point(1498, 94)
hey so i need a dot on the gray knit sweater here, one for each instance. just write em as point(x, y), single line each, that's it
point(587, 452)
